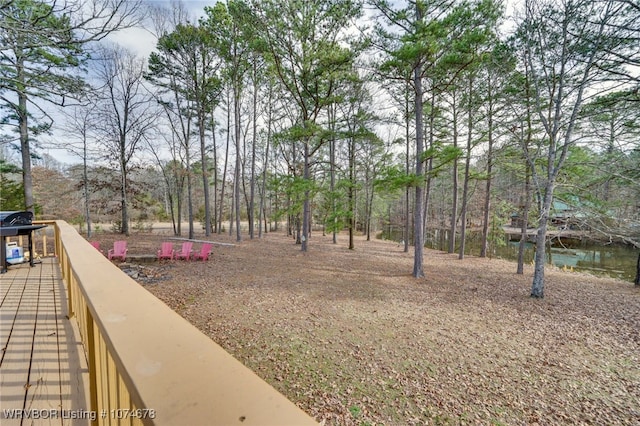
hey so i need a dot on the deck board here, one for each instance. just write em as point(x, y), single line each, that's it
point(43, 368)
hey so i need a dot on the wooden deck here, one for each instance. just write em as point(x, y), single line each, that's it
point(43, 369)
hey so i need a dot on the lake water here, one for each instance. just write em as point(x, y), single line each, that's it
point(616, 261)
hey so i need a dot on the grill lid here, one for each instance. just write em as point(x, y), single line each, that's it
point(16, 218)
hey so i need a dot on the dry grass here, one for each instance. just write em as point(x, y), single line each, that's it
point(353, 339)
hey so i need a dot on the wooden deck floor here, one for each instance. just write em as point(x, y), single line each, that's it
point(43, 372)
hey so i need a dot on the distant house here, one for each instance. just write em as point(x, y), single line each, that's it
point(565, 215)
point(561, 213)
point(568, 215)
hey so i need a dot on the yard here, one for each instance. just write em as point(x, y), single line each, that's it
point(353, 339)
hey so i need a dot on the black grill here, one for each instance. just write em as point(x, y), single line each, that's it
point(13, 224)
point(15, 218)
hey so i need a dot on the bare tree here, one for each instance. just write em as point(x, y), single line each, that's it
point(79, 128)
point(173, 171)
point(41, 51)
point(128, 113)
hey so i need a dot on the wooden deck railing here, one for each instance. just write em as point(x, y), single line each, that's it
point(147, 365)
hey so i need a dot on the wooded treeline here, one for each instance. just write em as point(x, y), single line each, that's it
point(331, 115)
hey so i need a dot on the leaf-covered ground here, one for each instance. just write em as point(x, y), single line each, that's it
point(353, 339)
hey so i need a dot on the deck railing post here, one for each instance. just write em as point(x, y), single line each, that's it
point(91, 361)
point(68, 276)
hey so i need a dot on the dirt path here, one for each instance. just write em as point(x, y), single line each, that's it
point(353, 339)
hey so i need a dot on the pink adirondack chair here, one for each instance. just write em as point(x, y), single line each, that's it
point(185, 251)
point(204, 252)
point(166, 251)
point(95, 244)
point(119, 250)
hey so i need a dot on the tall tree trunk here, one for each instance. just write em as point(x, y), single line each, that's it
point(418, 271)
point(263, 211)
point(365, 222)
point(370, 195)
point(124, 227)
point(172, 210)
point(332, 172)
point(179, 199)
point(25, 147)
point(224, 170)
point(487, 197)
point(236, 185)
point(189, 192)
point(454, 190)
point(231, 212)
point(85, 176)
point(537, 287)
point(407, 123)
point(306, 219)
point(205, 173)
point(254, 141)
point(215, 172)
point(465, 196)
point(467, 167)
point(350, 193)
